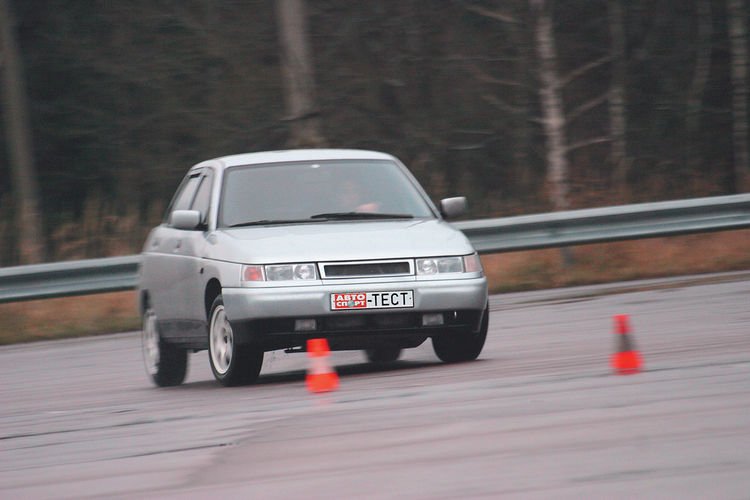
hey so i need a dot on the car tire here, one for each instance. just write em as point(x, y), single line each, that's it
point(165, 363)
point(462, 346)
point(383, 354)
point(232, 363)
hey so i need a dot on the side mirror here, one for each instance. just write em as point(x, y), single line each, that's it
point(453, 207)
point(185, 219)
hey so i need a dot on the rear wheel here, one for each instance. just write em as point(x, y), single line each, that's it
point(165, 363)
point(463, 346)
point(383, 354)
point(232, 363)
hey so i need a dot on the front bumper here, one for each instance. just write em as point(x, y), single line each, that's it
point(270, 313)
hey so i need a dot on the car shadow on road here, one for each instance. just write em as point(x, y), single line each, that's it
point(347, 370)
point(342, 370)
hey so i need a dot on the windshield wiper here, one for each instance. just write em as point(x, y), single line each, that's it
point(324, 217)
point(273, 222)
point(359, 216)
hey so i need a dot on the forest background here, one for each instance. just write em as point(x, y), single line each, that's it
point(524, 106)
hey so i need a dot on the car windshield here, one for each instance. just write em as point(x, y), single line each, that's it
point(316, 191)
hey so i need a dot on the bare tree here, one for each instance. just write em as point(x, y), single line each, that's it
point(297, 72)
point(521, 88)
point(701, 70)
point(18, 133)
point(512, 98)
point(738, 40)
point(617, 107)
point(553, 118)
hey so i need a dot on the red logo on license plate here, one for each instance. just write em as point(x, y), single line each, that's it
point(349, 300)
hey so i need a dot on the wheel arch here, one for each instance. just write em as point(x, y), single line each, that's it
point(144, 301)
point(213, 290)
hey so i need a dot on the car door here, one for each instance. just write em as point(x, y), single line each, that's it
point(169, 262)
point(190, 306)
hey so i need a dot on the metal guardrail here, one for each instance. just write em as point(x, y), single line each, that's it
point(61, 279)
point(505, 234)
point(595, 225)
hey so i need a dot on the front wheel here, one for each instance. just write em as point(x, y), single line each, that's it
point(232, 363)
point(462, 346)
point(165, 362)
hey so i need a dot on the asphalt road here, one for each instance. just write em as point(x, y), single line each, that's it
point(540, 415)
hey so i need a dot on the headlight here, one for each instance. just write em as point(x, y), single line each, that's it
point(441, 265)
point(291, 272)
point(280, 272)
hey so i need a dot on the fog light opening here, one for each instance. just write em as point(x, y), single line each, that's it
point(432, 319)
point(305, 325)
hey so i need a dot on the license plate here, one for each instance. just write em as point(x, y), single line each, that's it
point(372, 300)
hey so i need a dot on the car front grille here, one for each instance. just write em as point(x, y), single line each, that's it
point(360, 269)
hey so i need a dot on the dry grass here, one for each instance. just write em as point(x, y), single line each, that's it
point(103, 228)
point(68, 317)
point(627, 260)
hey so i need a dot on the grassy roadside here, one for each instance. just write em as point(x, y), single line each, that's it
point(621, 261)
point(68, 317)
point(530, 270)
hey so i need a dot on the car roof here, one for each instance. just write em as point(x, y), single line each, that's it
point(292, 155)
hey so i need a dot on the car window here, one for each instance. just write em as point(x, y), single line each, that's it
point(304, 189)
point(203, 197)
point(186, 193)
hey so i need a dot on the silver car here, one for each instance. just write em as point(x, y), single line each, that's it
point(263, 251)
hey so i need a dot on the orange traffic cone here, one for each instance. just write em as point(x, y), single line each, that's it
point(321, 377)
point(626, 360)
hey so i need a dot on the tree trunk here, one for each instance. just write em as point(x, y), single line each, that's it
point(738, 40)
point(522, 130)
point(297, 75)
point(698, 83)
point(18, 130)
point(617, 107)
point(553, 117)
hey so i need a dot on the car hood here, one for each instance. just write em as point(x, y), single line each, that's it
point(338, 241)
